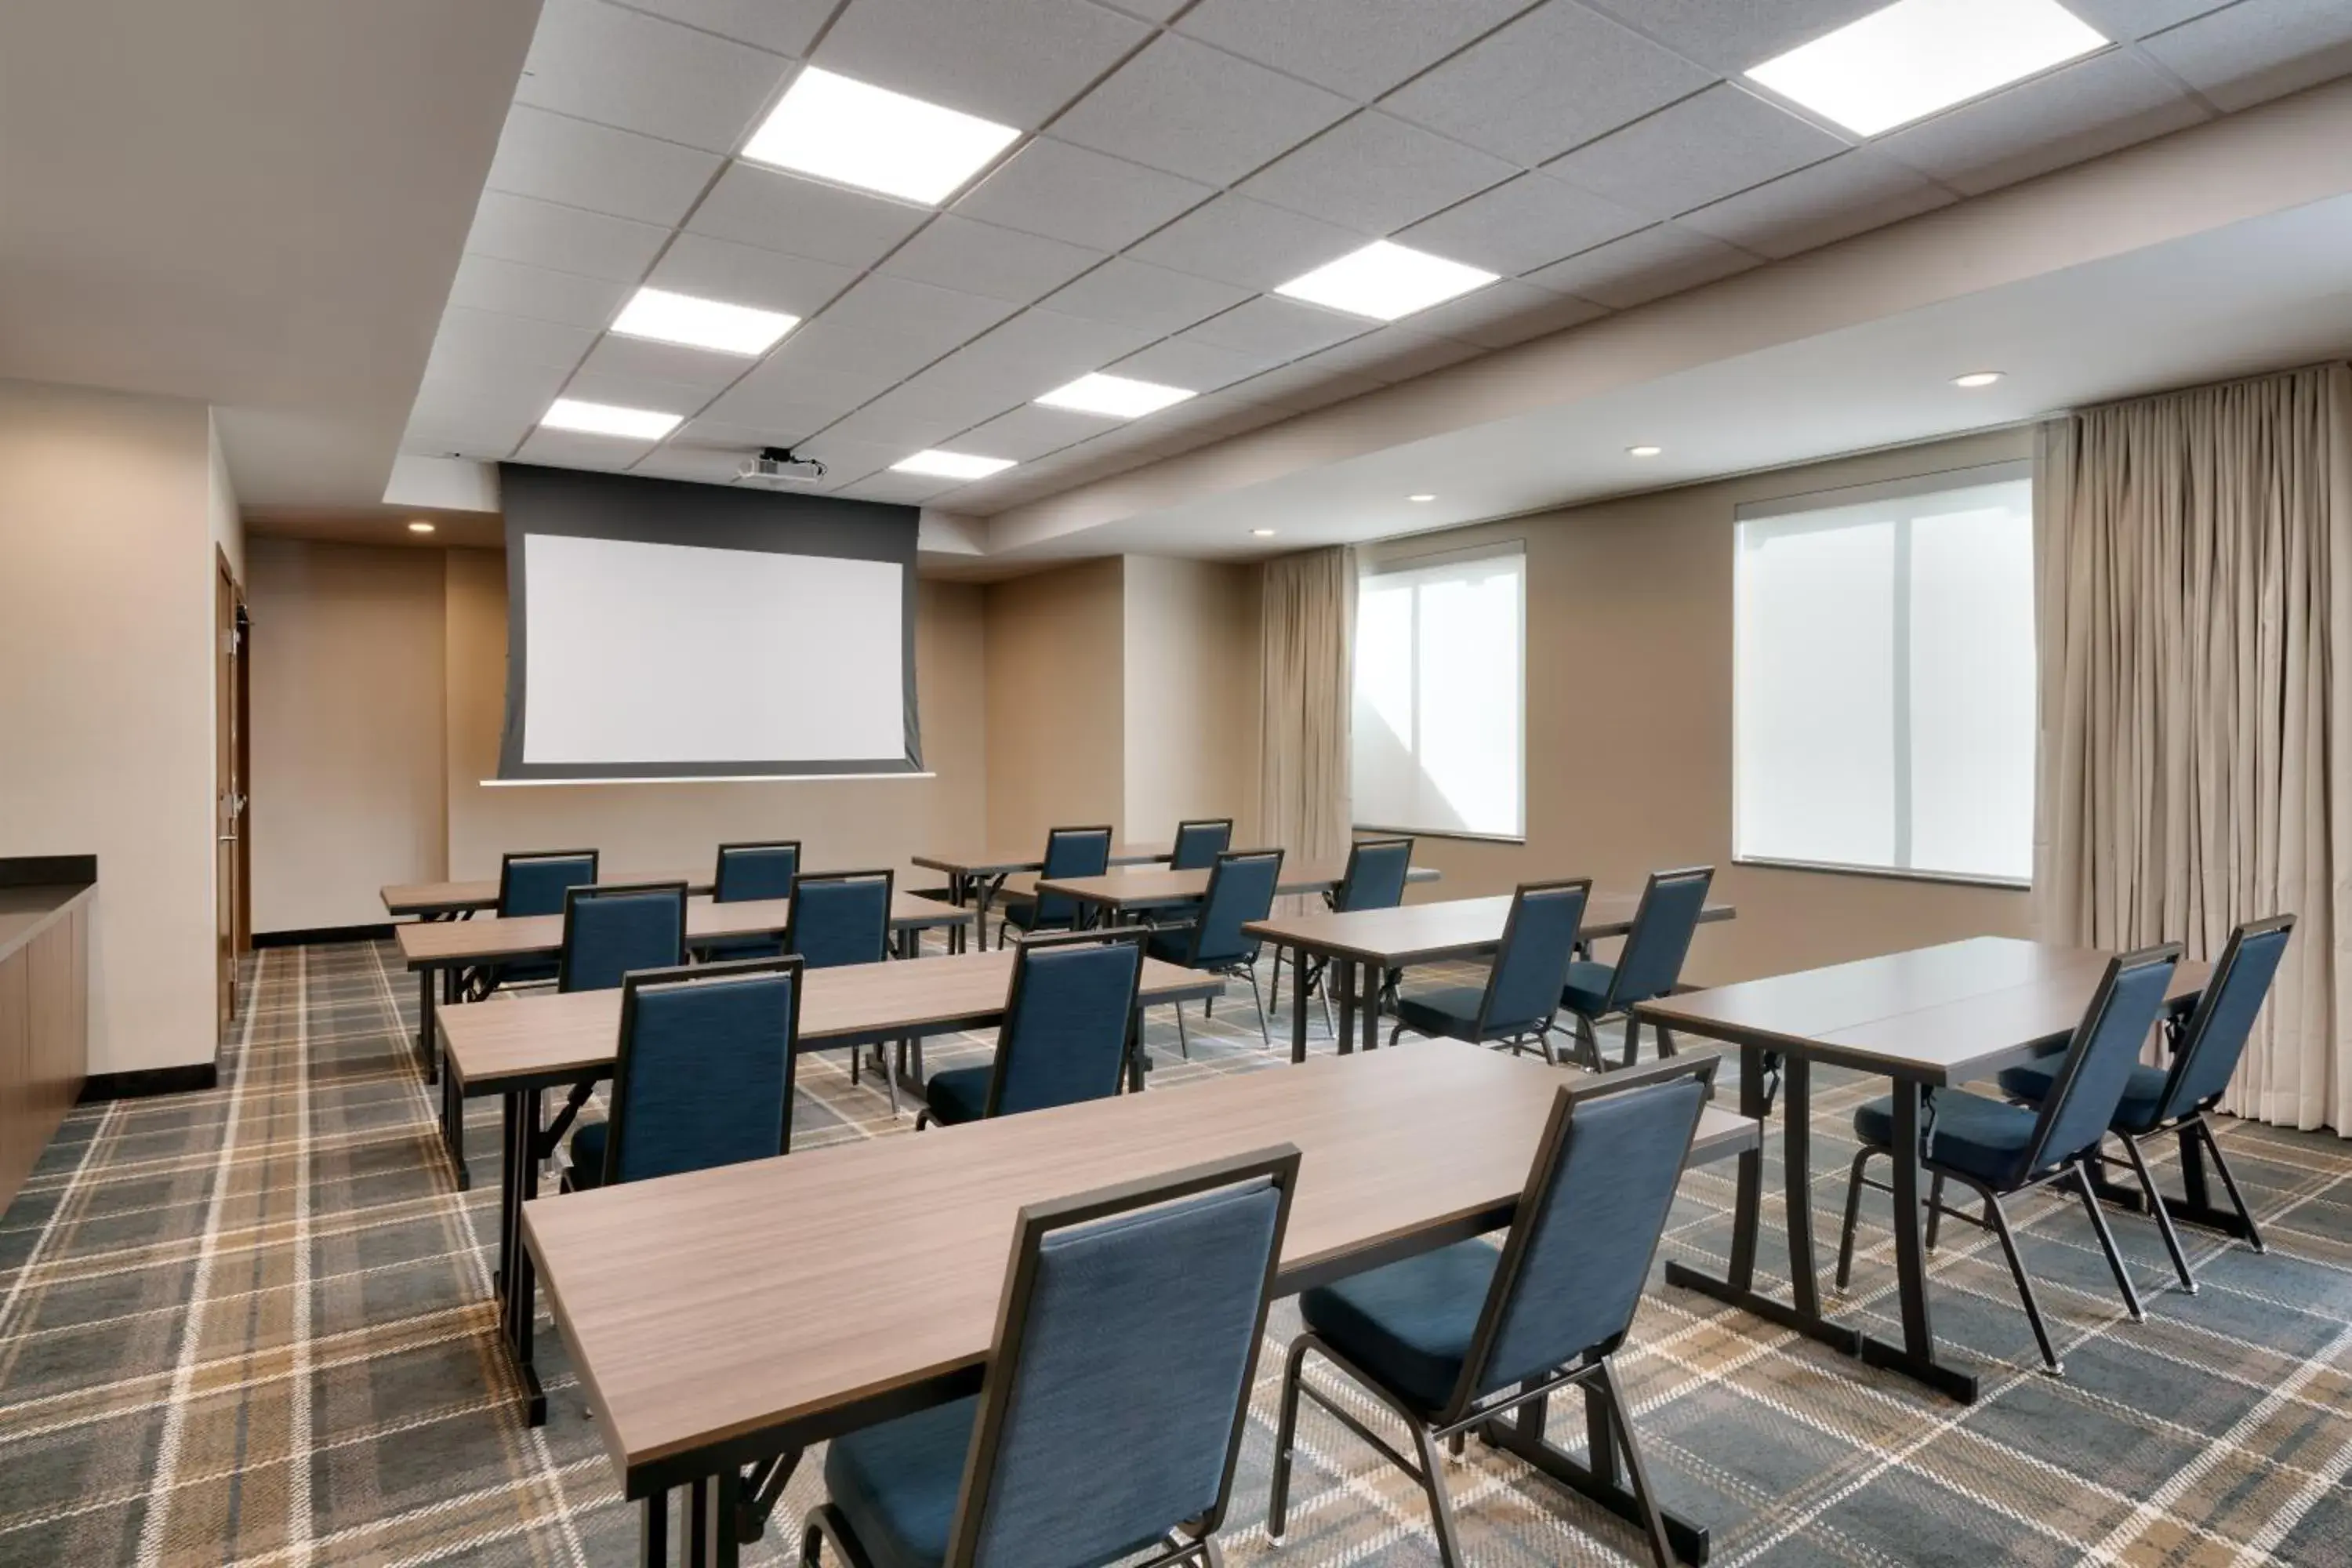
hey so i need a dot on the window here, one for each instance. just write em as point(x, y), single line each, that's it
point(1440, 694)
point(1884, 679)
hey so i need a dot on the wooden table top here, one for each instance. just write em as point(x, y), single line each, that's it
point(445, 943)
point(1156, 886)
point(1426, 934)
point(455, 897)
point(1004, 862)
point(1941, 1016)
point(729, 1313)
point(557, 1038)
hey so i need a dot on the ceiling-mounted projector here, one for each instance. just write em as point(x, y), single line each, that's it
point(778, 466)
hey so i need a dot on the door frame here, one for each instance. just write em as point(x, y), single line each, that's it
point(232, 785)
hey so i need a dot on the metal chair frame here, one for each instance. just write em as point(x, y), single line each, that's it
point(1538, 1037)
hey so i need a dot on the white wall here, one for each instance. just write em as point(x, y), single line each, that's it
point(106, 529)
point(1192, 695)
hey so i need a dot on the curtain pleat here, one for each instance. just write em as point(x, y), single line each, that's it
point(2195, 605)
point(1304, 702)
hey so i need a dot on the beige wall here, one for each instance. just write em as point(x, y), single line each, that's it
point(1191, 695)
point(107, 533)
point(348, 738)
point(1055, 700)
point(1629, 725)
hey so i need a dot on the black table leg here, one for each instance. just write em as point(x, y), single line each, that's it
point(653, 1532)
point(1346, 973)
point(453, 1127)
point(1522, 1434)
point(518, 1275)
point(425, 1000)
point(1916, 1356)
point(1368, 1002)
point(712, 1525)
point(1298, 1005)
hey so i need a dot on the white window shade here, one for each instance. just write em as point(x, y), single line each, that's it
point(1440, 714)
point(1884, 674)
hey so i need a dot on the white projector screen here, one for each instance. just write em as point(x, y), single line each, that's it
point(724, 634)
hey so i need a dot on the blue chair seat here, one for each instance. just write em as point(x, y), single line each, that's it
point(588, 1156)
point(1171, 943)
point(742, 947)
point(2143, 1091)
point(1983, 1137)
point(1408, 1324)
point(529, 971)
point(1452, 1012)
point(897, 1483)
point(1587, 991)
point(1019, 911)
point(957, 1095)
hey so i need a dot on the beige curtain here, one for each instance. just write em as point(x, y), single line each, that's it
point(2195, 631)
point(1303, 702)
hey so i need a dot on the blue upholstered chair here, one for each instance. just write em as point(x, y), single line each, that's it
point(1996, 1149)
point(2176, 1100)
point(748, 873)
point(1241, 890)
point(608, 931)
point(1521, 995)
point(532, 883)
point(1068, 1016)
point(1374, 880)
point(1452, 1340)
point(704, 1073)
point(842, 918)
point(1200, 842)
point(1114, 1397)
point(1650, 967)
point(1069, 852)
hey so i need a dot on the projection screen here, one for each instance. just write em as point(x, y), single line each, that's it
point(665, 631)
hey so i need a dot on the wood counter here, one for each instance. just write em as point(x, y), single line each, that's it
point(44, 1018)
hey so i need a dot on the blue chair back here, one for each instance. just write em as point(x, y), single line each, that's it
point(1531, 961)
point(535, 883)
point(1071, 852)
point(1664, 923)
point(1587, 1223)
point(608, 931)
point(749, 871)
point(1118, 1383)
point(1066, 1021)
point(1241, 890)
point(2224, 1018)
point(704, 1075)
point(840, 918)
point(1376, 871)
point(1198, 843)
point(2090, 1081)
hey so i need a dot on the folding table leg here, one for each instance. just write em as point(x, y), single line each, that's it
point(1299, 1005)
point(1916, 1356)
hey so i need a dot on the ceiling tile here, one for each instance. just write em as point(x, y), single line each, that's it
point(701, 465)
point(1529, 223)
point(787, 26)
point(1149, 10)
point(1236, 240)
point(981, 258)
point(559, 159)
point(1699, 151)
point(1376, 173)
point(484, 437)
point(1030, 432)
point(1135, 294)
point(1193, 110)
point(783, 429)
point(896, 421)
point(846, 462)
point(898, 490)
point(775, 211)
point(1301, 387)
point(1013, 61)
point(1194, 365)
point(642, 358)
point(1827, 202)
point(2138, 18)
point(624, 69)
point(1738, 38)
point(1392, 354)
point(623, 390)
point(1075, 194)
point(2095, 106)
point(502, 384)
point(567, 239)
point(713, 269)
point(1280, 329)
point(1360, 48)
point(571, 449)
point(486, 283)
point(919, 316)
point(2259, 49)
point(1559, 76)
point(492, 335)
point(1642, 267)
point(1506, 312)
point(1034, 352)
point(819, 364)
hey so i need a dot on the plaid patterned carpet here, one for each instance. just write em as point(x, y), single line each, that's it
point(253, 1325)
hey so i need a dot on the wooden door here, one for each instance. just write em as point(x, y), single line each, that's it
point(230, 752)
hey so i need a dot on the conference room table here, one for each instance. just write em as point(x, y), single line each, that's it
point(463, 900)
point(1373, 942)
point(1925, 1020)
point(554, 1040)
point(729, 1318)
point(1147, 889)
point(975, 879)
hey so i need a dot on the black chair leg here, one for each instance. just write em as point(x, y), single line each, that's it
point(1633, 1040)
point(2107, 1243)
point(1286, 1431)
point(2163, 1215)
point(2230, 1182)
point(1588, 1045)
point(1440, 1506)
point(1853, 1213)
point(1265, 1035)
point(1184, 1041)
point(1653, 1523)
point(1935, 1211)
point(2050, 1362)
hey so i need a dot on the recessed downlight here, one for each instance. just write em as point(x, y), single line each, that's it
point(1114, 396)
point(1913, 58)
point(1977, 378)
point(1424, 498)
point(1644, 451)
point(1386, 280)
point(420, 526)
point(950, 465)
point(1262, 532)
point(713, 324)
point(609, 419)
point(840, 129)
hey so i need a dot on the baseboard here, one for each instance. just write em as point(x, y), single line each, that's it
point(138, 1085)
point(317, 935)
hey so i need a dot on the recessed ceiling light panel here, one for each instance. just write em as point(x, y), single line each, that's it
point(1644, 451)
point(1262, 534)
point(420, 526)
point(950, 465)
point(843, 129)
point(1916, 57)
point(1115, 396)
point(1421, 498)
point(1977, 378)
point(609, 419)
point(1386, 280)
point(668, 317)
